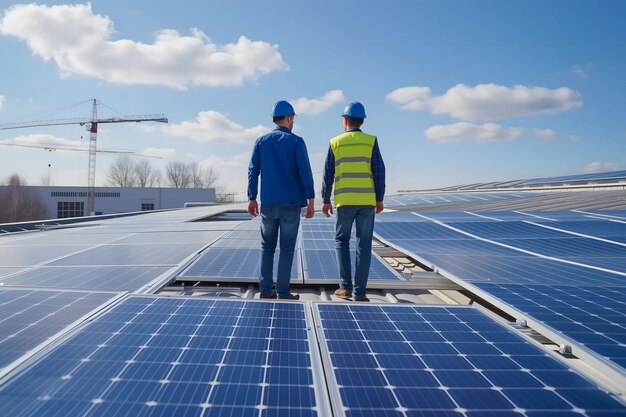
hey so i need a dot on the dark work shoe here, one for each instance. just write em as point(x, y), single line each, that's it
point(343, 293)
point(360, 299)
point(289, 297)
point(270, 294)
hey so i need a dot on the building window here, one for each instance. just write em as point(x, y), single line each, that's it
point(147, 206)
point(67, 209)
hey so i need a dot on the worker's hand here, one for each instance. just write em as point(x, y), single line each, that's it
point(310, 209)
point(253, 208)
point(326, 209)
point(379, 207)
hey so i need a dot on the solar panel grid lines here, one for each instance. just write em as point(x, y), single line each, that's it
point(527, 251)
point(241, 264)
point(179, 356)
point(31, 318)
point(590, 320)
point(101, 278)
point(167, 254)
point(322, 266)
point(452, 361)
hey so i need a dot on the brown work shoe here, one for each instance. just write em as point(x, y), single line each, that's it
point(289, 297)
point(360, 299)
point(343, 293)
point(271, 294)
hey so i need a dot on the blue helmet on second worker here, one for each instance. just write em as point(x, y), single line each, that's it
point(283, 108)
point(354, 109)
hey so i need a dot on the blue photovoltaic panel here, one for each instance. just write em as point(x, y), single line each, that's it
point(415, 230)
point(233, 264)
point(238, 243)
point(205, 237)
point(108, 278)
point(598, 228)
point(14, 256)
point(322, 265)
point(152, 356)
point(594, 317)
point(469, 246)
point(445, 361)
point(29, 317)
point(136, 255)
point(521, 269)
point(567, 247)
point(506, 230)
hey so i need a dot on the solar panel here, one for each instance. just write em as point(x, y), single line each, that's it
point(594, 317)
point(110, 278)
point(237, 243)
point(9, 271)
point(132, 255)
point(205, 237)
point(30, 317)
point(13, 256)
point(321, 265)
point(178, 357)
point(598, 228)
point(445, 361)
point(233, 264)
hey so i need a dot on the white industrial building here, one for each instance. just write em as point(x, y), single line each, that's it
point(64, 202)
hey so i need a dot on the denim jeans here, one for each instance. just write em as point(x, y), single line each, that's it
point(276, 220)
point(363, 216)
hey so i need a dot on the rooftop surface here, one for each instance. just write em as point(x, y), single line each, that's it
point(499, 303)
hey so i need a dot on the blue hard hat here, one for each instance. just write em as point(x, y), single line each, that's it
point(354, 109)
point(283, 108)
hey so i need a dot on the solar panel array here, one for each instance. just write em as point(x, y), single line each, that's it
point(170, 356)
point(30, 317)
point(439, 198)
point(445, 361)
point(564, 270)
point(176, 356)
point(236, 256)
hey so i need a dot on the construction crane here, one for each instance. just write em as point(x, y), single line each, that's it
point(92, 127)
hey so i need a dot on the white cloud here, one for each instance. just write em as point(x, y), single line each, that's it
point(214, 127)
point(160, 152)
point(488, 101)
point(469, 132)
point(411, 98)
point(2, 100)
point(79, 42)
point(544, 133)
point(235, 161)
point(305, 105)
point(551, 134)
point(602, 167)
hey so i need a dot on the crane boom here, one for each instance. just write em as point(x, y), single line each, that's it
point(92, 126)
point(58, 122)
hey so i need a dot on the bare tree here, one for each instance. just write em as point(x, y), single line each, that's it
point(18, 203)
point(177, 175)
point(202, 177)
point(122, 173)
point(146, 176)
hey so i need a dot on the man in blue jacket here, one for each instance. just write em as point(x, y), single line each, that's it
point(286, 185)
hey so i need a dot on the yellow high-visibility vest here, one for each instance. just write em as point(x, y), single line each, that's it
point(354, 182)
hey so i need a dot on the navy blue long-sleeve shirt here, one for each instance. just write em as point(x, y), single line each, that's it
point(377, 167)
point(281, 158)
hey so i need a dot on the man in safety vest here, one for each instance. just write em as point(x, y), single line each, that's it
point(286, 184)
point(355, 165)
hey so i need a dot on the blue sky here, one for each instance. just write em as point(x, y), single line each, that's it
point(457, 91)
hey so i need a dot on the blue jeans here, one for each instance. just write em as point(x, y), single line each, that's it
point(363, 216)
point(275, 220)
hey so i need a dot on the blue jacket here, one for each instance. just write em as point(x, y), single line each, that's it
point(283, 162)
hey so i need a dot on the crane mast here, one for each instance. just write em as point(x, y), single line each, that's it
point(92, 127)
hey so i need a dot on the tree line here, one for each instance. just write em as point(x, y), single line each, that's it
point(19, 204)
point(125, 172)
